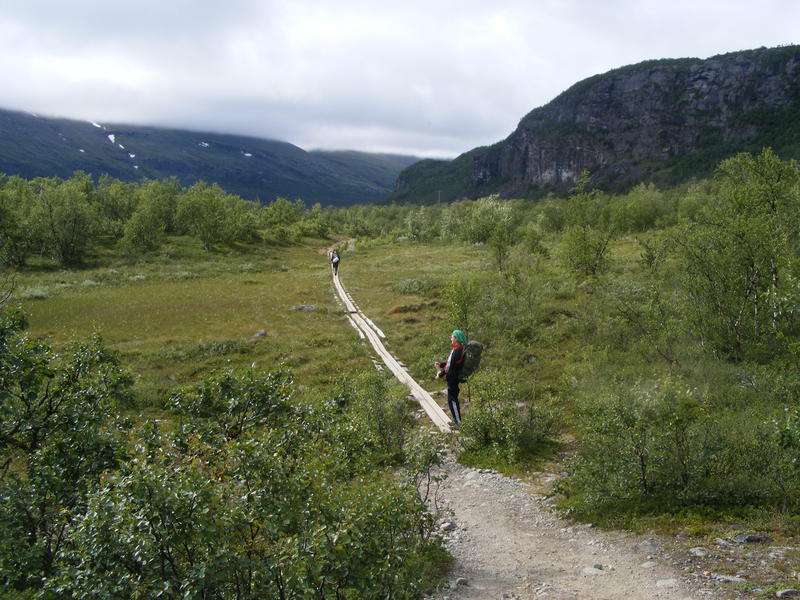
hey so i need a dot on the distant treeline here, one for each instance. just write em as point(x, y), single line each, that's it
point(63, 219)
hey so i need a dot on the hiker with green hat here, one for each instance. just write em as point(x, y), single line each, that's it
point(450, 370)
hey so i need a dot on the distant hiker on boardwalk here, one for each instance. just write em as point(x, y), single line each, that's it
point(450, 370)
point(335, 261)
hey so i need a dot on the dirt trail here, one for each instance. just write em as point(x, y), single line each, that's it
point(508, 543)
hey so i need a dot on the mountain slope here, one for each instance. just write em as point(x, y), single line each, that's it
point(254, 168)
point(663, 121)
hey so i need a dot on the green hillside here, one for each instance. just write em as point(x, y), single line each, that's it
point(429, 181)
point(253, 168)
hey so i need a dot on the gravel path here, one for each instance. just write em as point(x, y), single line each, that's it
point(508, 543)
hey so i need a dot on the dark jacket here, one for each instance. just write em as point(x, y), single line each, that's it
point(452, 366)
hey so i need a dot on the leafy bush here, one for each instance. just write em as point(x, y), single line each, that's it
point(214, 216)
point(586, 249)
point(144, 231)
point(258, 516)
point(641, 209)
point(237, 401)
point(740, 259)
point(58, 436)
point(463, 294)
point(418, 287)
point(67, 218)
point(662, 446)
point(380, 416)
point(493, 422)
point(424, 452)
point(19, 229)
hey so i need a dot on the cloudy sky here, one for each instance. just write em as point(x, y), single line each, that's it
point(423, 77)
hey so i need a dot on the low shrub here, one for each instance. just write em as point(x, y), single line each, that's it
point(493, 421)
point(33, 293)
point(380, 415)
point(663, 447)
point(418, 287)
point(240, 520)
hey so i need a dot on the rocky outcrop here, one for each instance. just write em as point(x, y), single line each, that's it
point(665, 120)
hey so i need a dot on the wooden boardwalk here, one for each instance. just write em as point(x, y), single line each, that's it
point(367, 329)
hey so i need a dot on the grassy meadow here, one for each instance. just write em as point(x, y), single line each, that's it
point(186, 313)
point(318, 452)
point(183, 314)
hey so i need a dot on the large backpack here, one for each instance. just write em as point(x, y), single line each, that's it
point(472, 359)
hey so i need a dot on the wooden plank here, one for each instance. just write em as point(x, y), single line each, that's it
point(373, 334)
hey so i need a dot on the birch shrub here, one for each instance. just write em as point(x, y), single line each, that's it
point(242, 520)
point(663, 446)
point(498, 421)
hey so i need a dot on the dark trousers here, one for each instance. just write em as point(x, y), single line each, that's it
point(452, 401)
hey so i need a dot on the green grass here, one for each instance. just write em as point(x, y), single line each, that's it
point(173, 319)
point(183, 313)
point(416, 324)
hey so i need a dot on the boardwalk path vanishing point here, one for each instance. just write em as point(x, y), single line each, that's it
point(367, 329)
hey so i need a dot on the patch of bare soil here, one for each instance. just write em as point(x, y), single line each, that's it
point(507, 542)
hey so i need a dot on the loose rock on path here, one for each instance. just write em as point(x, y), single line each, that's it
point(508, 543)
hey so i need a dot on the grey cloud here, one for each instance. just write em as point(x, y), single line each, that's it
point(435, 77)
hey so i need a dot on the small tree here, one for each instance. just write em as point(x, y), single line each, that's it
point(161, 197)
point(588, 230)
point(214, 216)
point(57, 437)
point(116, 202)
point(19, 234)
point(144, 231)
point(279, 217)
point(67, 216)
point(420, 225)
point(502, 237)
point(586, 249)
point(463, 294)
point(740, 258)
point(316, 221)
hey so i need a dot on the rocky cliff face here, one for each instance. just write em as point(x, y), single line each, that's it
point(641, 121)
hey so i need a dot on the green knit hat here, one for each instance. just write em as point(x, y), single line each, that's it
point(460, 336)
